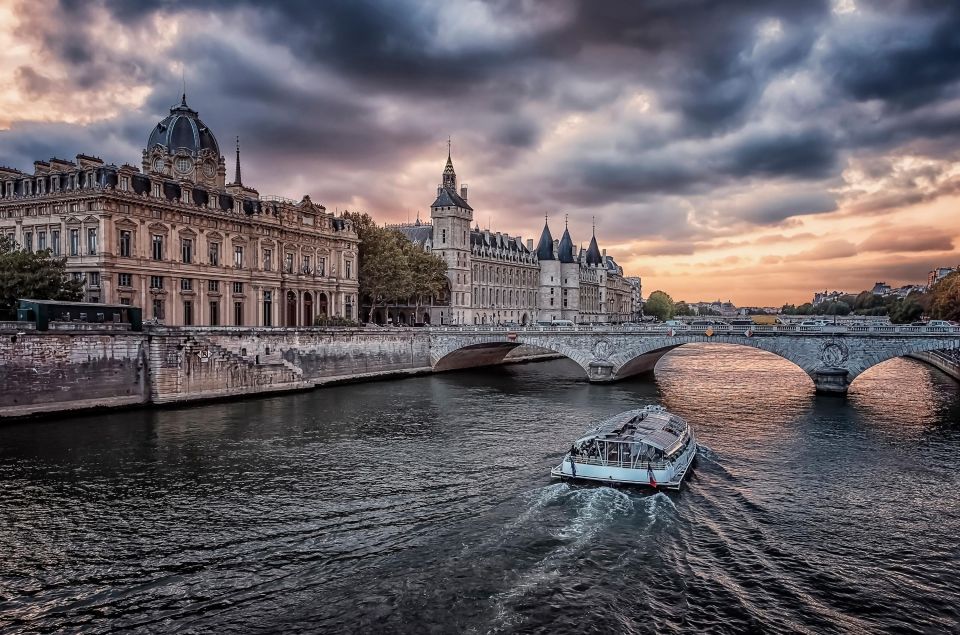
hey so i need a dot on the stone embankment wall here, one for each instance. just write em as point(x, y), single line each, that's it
point(57, 370)
point(211, 362)
point(61, 370)
point(49, 372)
point(947, 361)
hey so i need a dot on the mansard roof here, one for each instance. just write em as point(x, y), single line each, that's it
point(448, 197)
point(496, 240)
point(421, 234)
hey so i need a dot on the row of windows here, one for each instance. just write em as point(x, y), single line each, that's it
point(188, 255)
point(52, 242)
point(505, 275)
point(504, 297)
point(213, 315)
point(186, 284)
point(31, 187)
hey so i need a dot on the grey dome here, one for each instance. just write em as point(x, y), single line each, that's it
point(182, 128)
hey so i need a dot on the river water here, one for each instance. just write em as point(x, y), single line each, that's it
point(425, 506)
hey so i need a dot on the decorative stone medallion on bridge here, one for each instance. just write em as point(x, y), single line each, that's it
point(834, 354)
point(602, 350)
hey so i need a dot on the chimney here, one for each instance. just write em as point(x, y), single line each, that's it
point(463, 191)
point(529, 244)
point(604, 253)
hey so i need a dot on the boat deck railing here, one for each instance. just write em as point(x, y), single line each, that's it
point(637, 465)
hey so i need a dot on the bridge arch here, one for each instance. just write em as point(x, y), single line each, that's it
point(458, 353)
point(904, 348)
point(644, 357)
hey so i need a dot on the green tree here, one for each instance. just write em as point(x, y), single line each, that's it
point(660, 305)
point(429, 275)
point(37, 275)
point(905, 311)
point(789, 309)
point(682, 308)
point(392, 269)
point(945, 298)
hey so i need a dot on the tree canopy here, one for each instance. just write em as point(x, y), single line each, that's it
point(36, 275)
point(393, 269)
point(945, 298)
point(660, 305)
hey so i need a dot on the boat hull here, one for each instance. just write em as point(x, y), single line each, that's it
point(668, 478)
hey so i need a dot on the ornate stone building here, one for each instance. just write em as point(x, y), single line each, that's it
point(175, 239)
point(495, 278)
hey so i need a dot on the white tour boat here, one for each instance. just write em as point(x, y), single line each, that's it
point(648, 446)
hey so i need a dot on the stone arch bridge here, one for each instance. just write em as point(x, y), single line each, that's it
point(833, 356)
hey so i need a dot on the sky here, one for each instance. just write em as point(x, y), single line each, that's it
point(751, 150)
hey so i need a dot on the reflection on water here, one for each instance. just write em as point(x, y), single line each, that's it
point(424, 505)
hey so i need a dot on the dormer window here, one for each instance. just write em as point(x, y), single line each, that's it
point(183, 165)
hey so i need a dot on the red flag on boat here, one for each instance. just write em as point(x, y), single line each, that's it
point(653, 481)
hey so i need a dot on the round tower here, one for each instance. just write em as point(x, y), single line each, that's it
point(550, 304)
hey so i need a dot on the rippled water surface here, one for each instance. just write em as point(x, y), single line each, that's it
point(425, 505)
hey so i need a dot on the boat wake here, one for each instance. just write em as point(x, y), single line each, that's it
point(594, 510)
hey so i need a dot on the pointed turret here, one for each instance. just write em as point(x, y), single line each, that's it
point(593, 252)
point(545, 246)
point(565, 250)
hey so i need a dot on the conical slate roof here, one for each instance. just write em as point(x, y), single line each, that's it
point(545, 246)
point(565, 250)
point(593, 252)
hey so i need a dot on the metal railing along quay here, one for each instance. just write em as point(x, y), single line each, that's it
point(717, 329)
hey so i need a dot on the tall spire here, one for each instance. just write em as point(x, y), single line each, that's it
point(183, 78)
point(449, 175)
point(236, 177)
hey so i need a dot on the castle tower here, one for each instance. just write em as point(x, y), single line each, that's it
point(550, 296)
point(452, 217)
point(596, 262)
point(569, 278)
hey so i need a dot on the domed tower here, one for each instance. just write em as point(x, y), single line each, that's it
point(452, 217)
point(183, 147)
point(550, 295)
point(569, 277)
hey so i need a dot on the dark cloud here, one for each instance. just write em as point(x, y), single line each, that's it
point(806, 154)
point(905, 54)
point(755, 107)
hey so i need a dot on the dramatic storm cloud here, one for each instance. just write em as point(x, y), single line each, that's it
point(755, 150)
